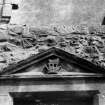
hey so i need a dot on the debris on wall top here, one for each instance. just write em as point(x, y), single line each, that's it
point(23, 41)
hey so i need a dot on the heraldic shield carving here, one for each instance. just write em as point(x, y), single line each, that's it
point(52, 67)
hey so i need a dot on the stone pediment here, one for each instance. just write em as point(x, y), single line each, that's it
point(53, 61)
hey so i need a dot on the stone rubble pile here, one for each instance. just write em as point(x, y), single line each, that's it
point(20, 42)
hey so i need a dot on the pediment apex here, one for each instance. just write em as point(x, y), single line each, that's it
point(59, 55)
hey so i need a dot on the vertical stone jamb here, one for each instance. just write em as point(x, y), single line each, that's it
point(6, 99)
point(101, 98)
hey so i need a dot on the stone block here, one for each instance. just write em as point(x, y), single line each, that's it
point(101, 99)
point(15, 1)
point(7, 1)
point(6, 99)
point(1, 6)
point(1, 2)
point(7, 10)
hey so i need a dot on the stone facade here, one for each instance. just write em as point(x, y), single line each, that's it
point(73, 81)
point(56, 12)
point(34, 26)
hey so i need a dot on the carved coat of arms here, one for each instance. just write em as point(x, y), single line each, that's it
point(52, 67)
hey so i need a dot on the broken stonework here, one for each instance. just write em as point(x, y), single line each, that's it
point(24, 41)
point(15, 30)
point(4, 33)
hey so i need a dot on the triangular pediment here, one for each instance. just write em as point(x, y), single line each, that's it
point(53, 61)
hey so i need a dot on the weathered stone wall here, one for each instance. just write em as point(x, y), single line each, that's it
point(59, 12)
point(74, 86)
point(56, 12)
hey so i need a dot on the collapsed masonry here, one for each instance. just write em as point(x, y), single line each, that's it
point(19, 42)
